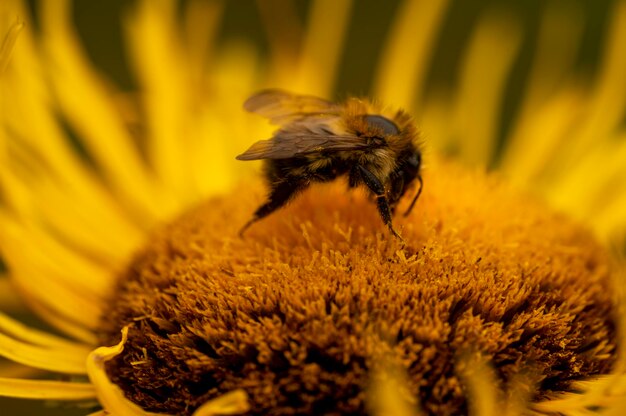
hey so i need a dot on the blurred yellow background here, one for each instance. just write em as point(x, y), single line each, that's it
point(370, 23)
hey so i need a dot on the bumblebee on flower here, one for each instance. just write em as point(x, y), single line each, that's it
point(321, 140)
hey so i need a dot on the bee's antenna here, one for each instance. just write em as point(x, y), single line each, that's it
point(419, 192)
point(246, 226)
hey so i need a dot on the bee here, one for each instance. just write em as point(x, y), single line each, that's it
point(319, 140)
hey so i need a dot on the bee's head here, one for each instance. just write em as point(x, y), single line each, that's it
point(410, 170)
point(410, 164)
point(415, 161)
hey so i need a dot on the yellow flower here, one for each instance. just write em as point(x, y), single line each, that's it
point(111, 223)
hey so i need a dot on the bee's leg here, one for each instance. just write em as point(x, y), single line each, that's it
point(417, 195)
point(354, 177)
point(396, 192)
point(280, 194)
point(376, 186)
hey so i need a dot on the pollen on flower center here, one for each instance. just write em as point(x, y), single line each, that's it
point(300, 311)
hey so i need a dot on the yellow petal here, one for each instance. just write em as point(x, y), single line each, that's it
point(480, 382)
point(202, 21)
point(388, 392)
point(603, 391)
point(70, 361)
point(114, 402)
point(548, 110)
point(84, 228)
point(220, 131)
point(489, 57)
point(608, 101)
point(538, 139)
point(28, 247)
point(8, 43)
point(33, 125)
point(232, 403)
point(559, 39)
point(434, 121)
point(596, 393)
point(594, 187)
point(62, 323)
point(11, 369)
point(322, 48)
point(160, 65)
point(16, 329)
point(91, 112)
point(109, 395)
point(9, 299)
point(284, 31)
point(58, 299)
point(407, 52)
point(37, 290)
point(46, 389)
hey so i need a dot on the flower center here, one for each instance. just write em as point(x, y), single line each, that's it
point(300, 311)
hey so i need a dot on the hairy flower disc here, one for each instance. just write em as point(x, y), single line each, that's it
point(317, 299)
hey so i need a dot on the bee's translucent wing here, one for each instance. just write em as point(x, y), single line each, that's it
point(307, 127)
point(282, 107)
point(292, 143)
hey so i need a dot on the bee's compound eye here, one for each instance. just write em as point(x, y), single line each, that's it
point(387, 126)
point(415, 160)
